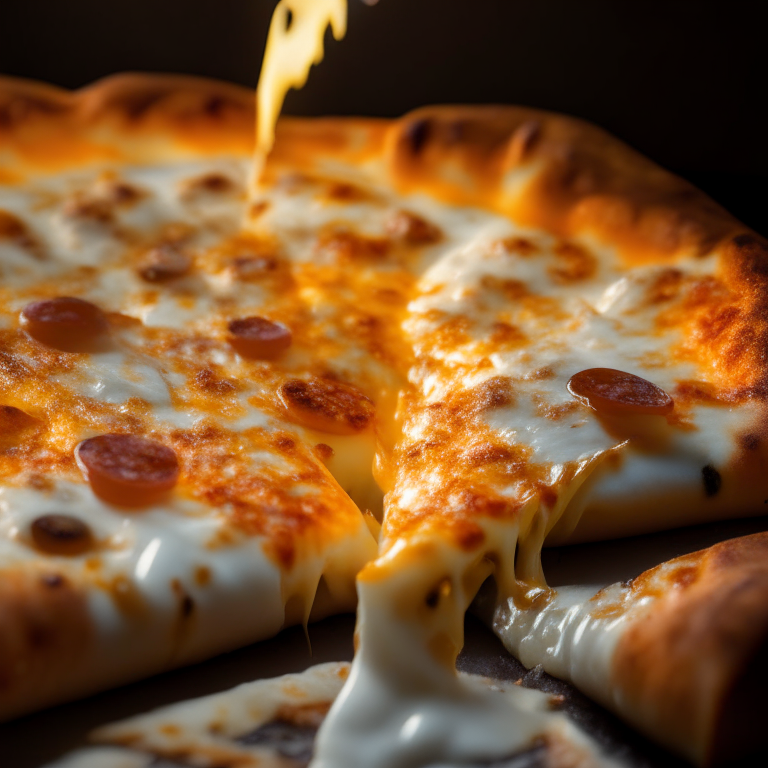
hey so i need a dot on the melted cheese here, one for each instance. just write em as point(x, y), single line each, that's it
point(294, 44)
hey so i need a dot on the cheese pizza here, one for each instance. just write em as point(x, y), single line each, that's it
point(418, 350)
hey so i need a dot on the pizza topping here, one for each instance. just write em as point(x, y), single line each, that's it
point(328, 406)
point(412, 229)
point(215, 183)
point(253, 267)
point(15, 230)
point(61, 535)
point(127, 470)
point(165, 263)
point(65, 323)
point(90, 208)
point(610, 391)
point(259, 338)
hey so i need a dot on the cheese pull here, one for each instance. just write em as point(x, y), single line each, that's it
point(294, 44)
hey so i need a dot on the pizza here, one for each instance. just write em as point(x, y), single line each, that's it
point(411, 356)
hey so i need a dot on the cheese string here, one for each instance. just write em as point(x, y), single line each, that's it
point(294, 44)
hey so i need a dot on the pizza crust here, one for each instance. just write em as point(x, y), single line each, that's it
point(691, 671)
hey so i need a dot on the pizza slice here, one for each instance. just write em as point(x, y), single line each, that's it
point(168, 436)
point(564, 383)
point(678, 651)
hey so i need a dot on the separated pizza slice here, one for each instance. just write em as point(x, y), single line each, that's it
point(678, 651)
point(588, 362)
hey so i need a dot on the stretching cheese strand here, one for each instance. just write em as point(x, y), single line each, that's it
point(294, 44)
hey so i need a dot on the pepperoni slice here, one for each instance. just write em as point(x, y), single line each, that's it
point(328, 406)
point(259, 338)
point(126, 470)
point(610, 391)
point(61, 535)
point(66, 323)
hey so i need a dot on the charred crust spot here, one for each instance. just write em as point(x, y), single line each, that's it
point(19, 108)
point(166, 262)
point(523, 141)
point(53, 580)
point(214, 106)
point(456, 131)
point(214, 183)
point(519, 246)
point(351, 247)
point(137, 104)
point(685, 576)
point(712, 480)
point(87, 208)
point(750, 441)
point(416, 134)
point(574, 264)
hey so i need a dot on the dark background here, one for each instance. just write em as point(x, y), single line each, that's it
point(684, 81)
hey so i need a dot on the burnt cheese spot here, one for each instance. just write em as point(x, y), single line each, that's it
point(61, 535)
point(523, 140)
point(412, 229)
point(14, 230)
point(495, 392)
point(166, 262)
point(712, 480)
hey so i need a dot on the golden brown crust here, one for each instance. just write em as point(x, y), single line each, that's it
point(675, 669)
point(45, 637)
point(541, 169)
